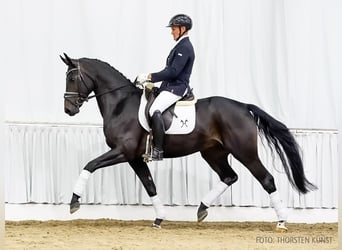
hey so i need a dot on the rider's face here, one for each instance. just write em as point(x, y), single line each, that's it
point(176, 31)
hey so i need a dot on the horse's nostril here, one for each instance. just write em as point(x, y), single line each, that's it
point(71, 111)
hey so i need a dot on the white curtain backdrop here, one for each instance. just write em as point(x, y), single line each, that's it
point(44, 163)
point(282, 55)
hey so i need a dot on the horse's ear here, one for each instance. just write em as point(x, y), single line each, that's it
point(63, 59)
point(67, 60)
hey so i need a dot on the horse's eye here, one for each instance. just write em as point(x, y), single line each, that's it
point(72, 79)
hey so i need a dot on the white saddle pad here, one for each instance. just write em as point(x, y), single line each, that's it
point(184, 123)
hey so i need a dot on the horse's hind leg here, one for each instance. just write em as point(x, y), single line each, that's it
point(142, 171)
point(255, 166)
point(217, 159)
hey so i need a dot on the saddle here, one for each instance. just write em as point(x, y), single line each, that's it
point(152, 92)
point(178, 119)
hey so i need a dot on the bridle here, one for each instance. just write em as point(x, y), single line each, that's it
point(80, 97)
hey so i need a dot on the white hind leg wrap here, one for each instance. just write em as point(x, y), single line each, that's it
point(214, 193)
point(158, 207)
point(278, 206)
point(81, 182)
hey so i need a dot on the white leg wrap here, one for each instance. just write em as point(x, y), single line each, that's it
point(158, 207)
point(81, 182)
point(278, 206)
point(214, 193)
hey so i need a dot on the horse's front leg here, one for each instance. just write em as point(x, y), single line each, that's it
point(110, 158)
point(142, 171)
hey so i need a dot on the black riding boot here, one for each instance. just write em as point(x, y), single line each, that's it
point(158, 131)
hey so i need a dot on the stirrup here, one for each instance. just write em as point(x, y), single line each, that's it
point(157, 154)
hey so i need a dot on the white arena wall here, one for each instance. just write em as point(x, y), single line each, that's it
point(44, 162)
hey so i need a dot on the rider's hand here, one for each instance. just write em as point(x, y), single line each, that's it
point(142, 78)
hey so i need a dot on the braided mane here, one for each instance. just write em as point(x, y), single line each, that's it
point(109, 66)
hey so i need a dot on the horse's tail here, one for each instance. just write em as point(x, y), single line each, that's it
point(278, 135)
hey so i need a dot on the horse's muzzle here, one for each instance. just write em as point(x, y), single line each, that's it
point(71, 111)
point(72, 104)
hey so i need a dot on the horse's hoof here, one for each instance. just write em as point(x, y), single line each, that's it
point(202, 212)
point(201, 215)
point(74, 207)
point(281, 228)
point(156, 223)
point(155, 226)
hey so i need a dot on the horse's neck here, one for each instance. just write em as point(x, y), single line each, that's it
point(113, 103)
point(111, 89)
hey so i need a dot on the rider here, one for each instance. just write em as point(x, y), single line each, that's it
point(175, 79)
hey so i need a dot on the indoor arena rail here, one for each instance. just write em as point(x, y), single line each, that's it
point(43, 161)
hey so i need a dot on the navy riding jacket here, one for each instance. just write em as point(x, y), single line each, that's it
point(175, 76)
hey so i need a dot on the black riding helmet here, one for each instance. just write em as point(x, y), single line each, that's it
point(181, 20)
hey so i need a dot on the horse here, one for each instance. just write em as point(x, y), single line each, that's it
point(222, 127)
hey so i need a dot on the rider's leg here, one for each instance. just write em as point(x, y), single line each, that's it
point(158, 131)
point(164, 100)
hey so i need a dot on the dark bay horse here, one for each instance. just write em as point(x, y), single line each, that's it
point(223, 127)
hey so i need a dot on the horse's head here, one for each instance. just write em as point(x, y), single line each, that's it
point(77, 89)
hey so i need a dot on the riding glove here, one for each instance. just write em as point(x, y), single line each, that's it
point(142, 78)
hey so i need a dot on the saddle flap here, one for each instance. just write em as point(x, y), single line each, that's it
point(178, 119)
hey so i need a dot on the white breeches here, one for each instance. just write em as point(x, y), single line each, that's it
point(164, 100)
